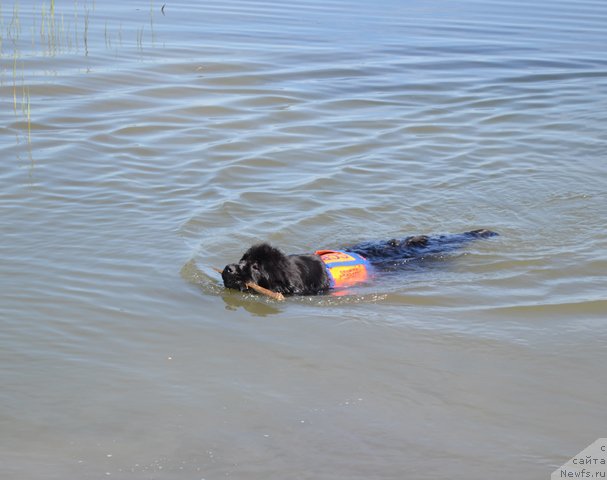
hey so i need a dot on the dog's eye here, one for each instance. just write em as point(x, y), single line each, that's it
point(255, 267)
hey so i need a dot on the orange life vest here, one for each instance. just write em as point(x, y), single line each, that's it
point(344, 268)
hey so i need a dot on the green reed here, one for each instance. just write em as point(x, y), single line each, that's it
point(15, 82)
point(53, 31)
point(28, 116)
point(86, 31)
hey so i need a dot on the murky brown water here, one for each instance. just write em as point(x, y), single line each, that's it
point(142, 147)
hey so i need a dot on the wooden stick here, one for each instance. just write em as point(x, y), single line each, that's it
point(259, 289)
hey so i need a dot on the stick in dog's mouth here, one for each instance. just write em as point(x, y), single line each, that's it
point(259, 289)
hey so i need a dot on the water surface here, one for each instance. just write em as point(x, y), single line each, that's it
point(143, 143)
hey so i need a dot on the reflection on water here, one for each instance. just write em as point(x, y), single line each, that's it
point(144, 143)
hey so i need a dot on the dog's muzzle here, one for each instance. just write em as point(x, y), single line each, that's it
point(232, 277)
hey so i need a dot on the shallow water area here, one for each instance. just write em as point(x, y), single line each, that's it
point(144, 143)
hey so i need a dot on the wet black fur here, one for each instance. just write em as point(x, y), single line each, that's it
point(269, 267)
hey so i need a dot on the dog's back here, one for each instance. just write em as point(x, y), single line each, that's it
point(389, 254)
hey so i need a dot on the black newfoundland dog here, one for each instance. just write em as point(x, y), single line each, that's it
point(324, 270)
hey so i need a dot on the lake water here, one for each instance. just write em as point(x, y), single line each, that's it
point(144, 143)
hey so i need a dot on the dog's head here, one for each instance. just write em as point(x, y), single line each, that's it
point(262, 264)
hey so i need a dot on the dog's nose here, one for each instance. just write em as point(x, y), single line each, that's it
point(230, 269)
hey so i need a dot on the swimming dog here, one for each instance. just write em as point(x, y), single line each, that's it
point(324, 270)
